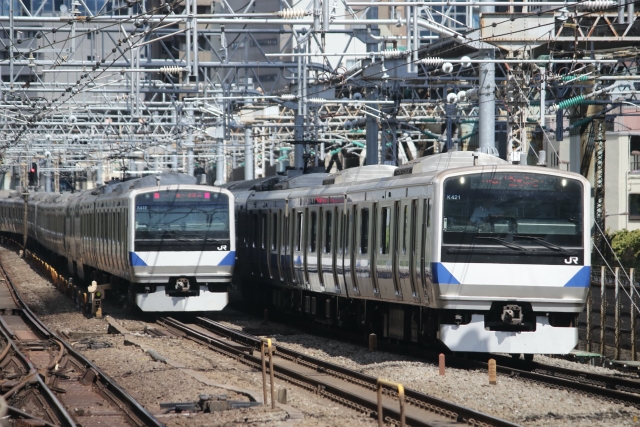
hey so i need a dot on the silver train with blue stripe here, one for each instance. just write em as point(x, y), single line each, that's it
point(464, 248)
point(165, 241)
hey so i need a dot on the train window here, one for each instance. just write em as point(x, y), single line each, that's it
point(299, 232)
point(427, 210)
point(313, 232)
point(274, 231)
point(405, 229)
point(327, 232)
point(364, 230)
point(346, 233)
point(256, 233)
point(264, 230)
point(385, 232)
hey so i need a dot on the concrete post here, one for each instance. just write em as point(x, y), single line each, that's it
point(99, 180)
point(371, 124)
point(190, 155)
point(298, 157)
point(220, 175)
point(48, 174)
point(487, 107)
point(248, 154)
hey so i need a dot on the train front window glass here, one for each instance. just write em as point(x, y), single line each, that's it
point(385, 221)
point(313, 232)
point(478, 208)
point(364, 231)
point(327, 233)
point(182, 220)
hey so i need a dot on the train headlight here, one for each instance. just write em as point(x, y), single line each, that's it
point(564, 182)
point(462, 180)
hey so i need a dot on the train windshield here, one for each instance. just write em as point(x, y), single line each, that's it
point(514, 211)
point(182, 220)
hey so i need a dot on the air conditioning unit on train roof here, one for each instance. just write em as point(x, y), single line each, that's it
point(361, 173)
point(451, 160)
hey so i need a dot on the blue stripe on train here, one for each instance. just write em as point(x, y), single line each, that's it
point(228, 260)
point(136, 261)
point(442, 275)
point(581, 279)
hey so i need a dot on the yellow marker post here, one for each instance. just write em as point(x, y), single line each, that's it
point(400, 388)
point(266, 347)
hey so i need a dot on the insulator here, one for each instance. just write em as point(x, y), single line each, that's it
point(571, 102)
point(171, 70)
point(431, 62)
point(292, 13)
point(572, 79)
point(597, 5)
point(393, 53)
point(316, 100)
point(287, 97)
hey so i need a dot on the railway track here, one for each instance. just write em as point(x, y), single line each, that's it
point(340, 384)
point(51, 383)
point(615, 389)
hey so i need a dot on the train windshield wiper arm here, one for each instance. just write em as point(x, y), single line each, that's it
point(505, 243)
point(541, 241)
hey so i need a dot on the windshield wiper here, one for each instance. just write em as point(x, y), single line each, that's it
point(507, 244)
point(542, 242)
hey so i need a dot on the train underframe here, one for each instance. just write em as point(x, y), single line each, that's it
point(459, 330)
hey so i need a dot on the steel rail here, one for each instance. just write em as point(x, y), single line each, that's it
point(601, 381)
point(420, 400)
point(108, 385)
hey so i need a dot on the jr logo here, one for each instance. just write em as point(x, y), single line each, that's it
point(224, 248)
point(571, 260)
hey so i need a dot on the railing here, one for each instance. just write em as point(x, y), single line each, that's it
point(610, 317)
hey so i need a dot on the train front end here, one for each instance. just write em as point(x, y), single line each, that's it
point(182, 249)
point(514, 259)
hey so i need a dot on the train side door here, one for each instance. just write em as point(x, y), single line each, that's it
point(275, 244)
point(414, 236)
point(348, 251)
point(364, 244)
point(373, 253)
point(425, 248)
point(313, 270)
point(401, 252)
point(265, 249)
point(382, 263)
point(298, 248)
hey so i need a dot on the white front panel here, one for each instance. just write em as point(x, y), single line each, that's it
point(169, 258)
point(160, 301)
point(512, 274)
point(474, 338)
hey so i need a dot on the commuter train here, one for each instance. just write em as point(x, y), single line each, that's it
point(464, 248)
point(165, 240)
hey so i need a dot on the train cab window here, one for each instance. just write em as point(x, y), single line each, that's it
point(274, 231)
point(299, 232)
point(313, 232)
point(327, 232)
point(385, 232)
point(364, 230)
point(405, 229)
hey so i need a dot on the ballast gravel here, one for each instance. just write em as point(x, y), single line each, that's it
point(511, 399)
point(153, 382)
